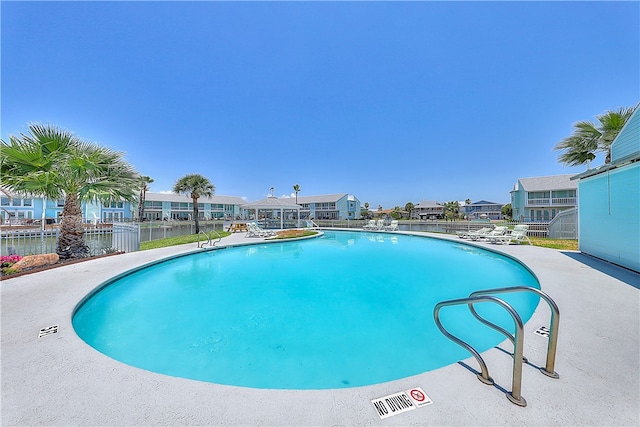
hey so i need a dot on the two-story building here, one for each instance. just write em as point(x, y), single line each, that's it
point(330, 206)
point(428, 209)
point(483, 210)
point(542, 198)
point(158, 206)
point(18, 209)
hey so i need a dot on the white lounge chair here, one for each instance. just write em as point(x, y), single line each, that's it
point(393, 226)
point(498, 231)
point(254, 230)
point(371, 225)
point(480, 232)
point(517, 235)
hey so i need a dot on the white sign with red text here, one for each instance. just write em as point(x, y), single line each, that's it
point(400, 402)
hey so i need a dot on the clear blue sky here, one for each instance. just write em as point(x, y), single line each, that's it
point(392, 102)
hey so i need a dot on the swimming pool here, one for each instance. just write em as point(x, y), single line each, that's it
point(343, 310)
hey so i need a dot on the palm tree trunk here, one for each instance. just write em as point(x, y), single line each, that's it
point(71, 240)
point(195, 214)
point(143, 196)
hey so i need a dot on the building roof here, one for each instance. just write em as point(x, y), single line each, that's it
point(428, 204)
point(324, 198)
point(485, 202)
point(629, 135)
point(548, 183)
point(173, 197)
point(272, 203)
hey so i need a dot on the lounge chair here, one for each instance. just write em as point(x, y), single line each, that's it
point(371, 225)
point(254, 230)
point(393, 226)
point(517, 235)
point(374, 225)
point(498, 231)
point(481, 232)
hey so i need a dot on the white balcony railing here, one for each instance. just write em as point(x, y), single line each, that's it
point(558, 201)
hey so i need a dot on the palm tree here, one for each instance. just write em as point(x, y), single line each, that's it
point(409, 207)
point(396, 213)
point(296, 189)
point(451, 210)
point(55, 163)
point(194, 185)
point(588, 139)
point(364, 212)
point(144, 187)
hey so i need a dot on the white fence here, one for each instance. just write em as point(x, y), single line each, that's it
point(564, 225)
point(118, 237)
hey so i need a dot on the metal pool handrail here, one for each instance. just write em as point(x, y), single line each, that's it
point(554, 323)
point(515, 395)
point(209, 238)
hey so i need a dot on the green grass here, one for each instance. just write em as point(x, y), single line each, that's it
point(291, 234)
point(178, 240)
point(562, 244)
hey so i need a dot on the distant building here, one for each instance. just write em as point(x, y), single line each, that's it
point(25, 210)
point(609, 206)
point(482, 210)
point(158, 206)
point(330, 206)
point(542, 198)
point(428, 209)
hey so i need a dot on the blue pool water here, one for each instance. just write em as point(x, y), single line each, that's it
point(343, 310)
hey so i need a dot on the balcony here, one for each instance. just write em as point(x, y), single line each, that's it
point(559, 201)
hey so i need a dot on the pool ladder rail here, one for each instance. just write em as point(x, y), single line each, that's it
point(209, 238)
point(517, 339)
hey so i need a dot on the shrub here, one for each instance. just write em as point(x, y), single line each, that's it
point(7, 261)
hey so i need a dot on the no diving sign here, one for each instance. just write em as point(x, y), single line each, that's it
point(400, 402)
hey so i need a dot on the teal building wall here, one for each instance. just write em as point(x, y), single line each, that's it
point(610, 216)
point(609, 202)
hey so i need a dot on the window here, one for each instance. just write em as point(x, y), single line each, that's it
point(4, 201)
point(114, 205)
point(564, 193)
point(538, 195)
point(27, 202)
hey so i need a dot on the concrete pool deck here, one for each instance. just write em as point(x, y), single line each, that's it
point(59, 380)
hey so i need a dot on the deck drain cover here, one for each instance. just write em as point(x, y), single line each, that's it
point(542, 331)
point(48, 331)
